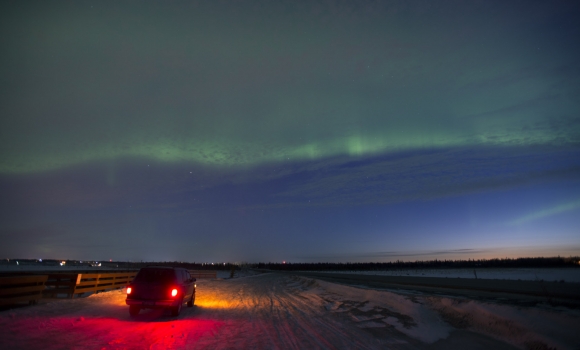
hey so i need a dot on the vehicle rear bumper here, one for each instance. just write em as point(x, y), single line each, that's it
point(152, 304)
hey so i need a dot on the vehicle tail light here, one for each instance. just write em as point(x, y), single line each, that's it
point(174, 292)
point(129, 290)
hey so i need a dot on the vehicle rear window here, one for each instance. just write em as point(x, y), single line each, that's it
point(155, 276)
point(186, 276)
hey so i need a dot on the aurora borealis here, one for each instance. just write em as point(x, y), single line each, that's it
point(289, 130)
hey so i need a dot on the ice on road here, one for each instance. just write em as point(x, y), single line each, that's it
point(274, 311)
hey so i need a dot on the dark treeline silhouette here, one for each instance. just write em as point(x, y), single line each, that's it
point(187, 265)
point(379, 266)
point(321, 266)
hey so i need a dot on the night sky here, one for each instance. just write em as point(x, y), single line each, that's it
point(289, 130)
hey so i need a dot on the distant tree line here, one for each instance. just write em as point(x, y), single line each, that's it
point(381, 266)
point(186, 265)
point(324, 266)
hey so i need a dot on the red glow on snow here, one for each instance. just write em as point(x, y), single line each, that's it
point(148, 330)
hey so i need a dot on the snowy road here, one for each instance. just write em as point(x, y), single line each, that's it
point(274, 311)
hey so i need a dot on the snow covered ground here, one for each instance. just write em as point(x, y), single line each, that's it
point(529, 274)
point(276, 311)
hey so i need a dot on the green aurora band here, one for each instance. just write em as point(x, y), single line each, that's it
point(275, 85)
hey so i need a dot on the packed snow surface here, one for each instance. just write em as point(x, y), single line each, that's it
point(276, 311)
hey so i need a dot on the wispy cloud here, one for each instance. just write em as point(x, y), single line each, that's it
point(425, 175)
point(429, 254)
point(422, 253)
point(561, 208)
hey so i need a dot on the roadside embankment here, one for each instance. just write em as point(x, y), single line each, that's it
point(530, 290)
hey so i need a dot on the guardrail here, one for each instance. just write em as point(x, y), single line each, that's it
point(203, 273)
point(16, 289)
point(71, 284)
point(31, 288)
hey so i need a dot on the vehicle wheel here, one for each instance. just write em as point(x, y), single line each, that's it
point(191, 301)
point(134, 310)
point(176, 309)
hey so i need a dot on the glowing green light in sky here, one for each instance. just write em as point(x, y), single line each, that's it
point(540, 214)
point(247, 91)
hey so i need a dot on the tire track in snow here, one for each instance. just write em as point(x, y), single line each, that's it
point(286, 320)
point(269, 311)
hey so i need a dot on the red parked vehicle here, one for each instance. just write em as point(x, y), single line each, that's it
point(161, 287)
